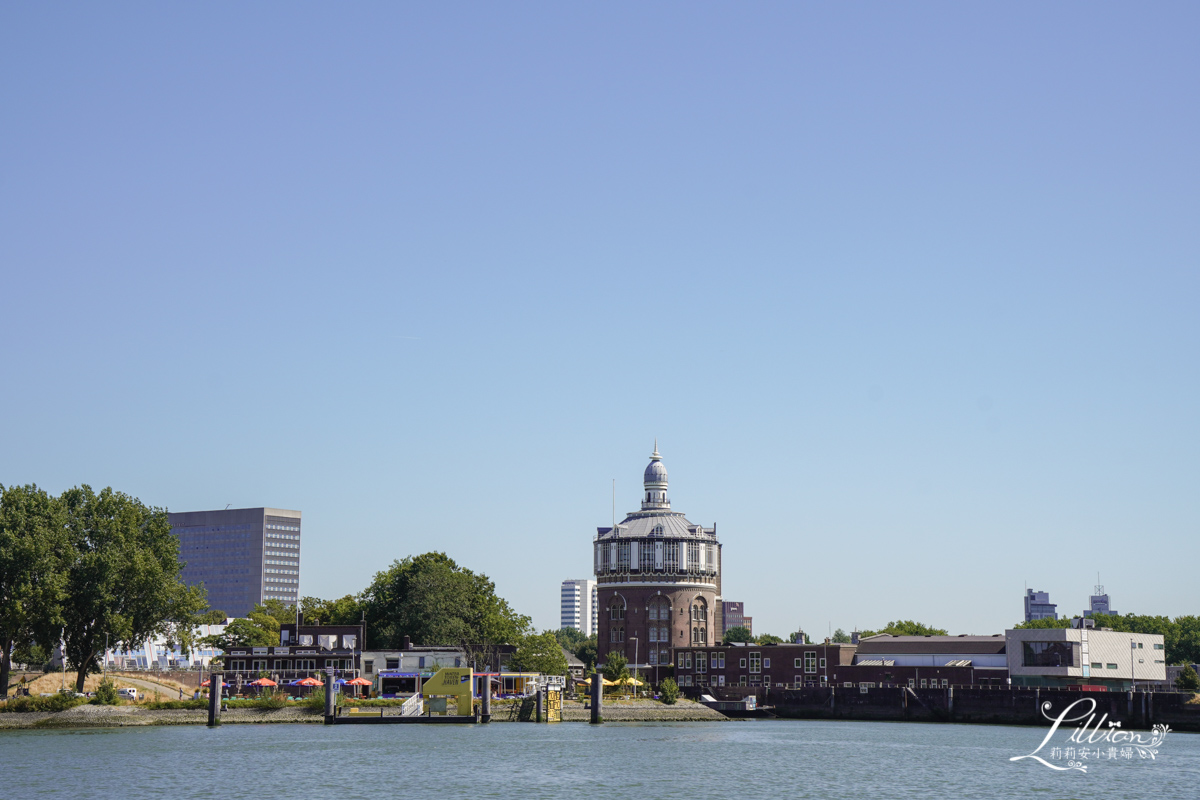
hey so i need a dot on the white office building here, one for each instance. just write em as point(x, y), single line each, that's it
point(579, 606)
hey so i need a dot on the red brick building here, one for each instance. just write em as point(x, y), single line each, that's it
point(658, 580)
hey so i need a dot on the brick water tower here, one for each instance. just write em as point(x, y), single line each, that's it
point(658, 579)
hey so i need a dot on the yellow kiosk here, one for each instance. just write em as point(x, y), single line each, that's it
point(456, 682)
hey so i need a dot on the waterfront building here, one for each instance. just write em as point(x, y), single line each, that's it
point(658, 579)
point(1098, 603)
point(1038, 606)
point(242, 556)
point(733, 615)
point(577, 606)
point(734, 670)
point(300, 653)
point(1084, 656)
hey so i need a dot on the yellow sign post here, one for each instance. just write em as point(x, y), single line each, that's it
point(453, 682)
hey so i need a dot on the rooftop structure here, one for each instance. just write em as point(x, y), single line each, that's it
point(1038, 606)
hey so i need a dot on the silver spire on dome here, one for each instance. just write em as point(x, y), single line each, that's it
point(655, 482)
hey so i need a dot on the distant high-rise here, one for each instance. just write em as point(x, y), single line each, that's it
point(243, 556)
point(1098, 603)
point(734, 612)
point(579, 606)
point(1038, 606)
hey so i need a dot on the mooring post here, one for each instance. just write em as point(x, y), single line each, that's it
point(541, 706)
point(486, 702)
point(214, 699)
point(950, 701)
point(597, 698)
point(328, 697)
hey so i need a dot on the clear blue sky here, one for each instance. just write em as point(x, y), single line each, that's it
point(909, 295)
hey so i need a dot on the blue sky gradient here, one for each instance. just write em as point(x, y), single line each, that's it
point(907, 294)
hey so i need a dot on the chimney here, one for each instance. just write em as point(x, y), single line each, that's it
point(854, 637)
point(407, 643)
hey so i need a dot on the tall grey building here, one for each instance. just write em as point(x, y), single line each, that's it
point(578, 608)
point(1098, 603)
point(1038, 606)
point(243, 556)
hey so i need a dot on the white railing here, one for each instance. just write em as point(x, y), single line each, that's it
point(413, 706)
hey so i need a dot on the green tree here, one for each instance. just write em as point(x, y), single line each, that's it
point(434, 601)
point(588, 652)
point(122, 582)
point(616, 666)
point(841, 637)
point(907, 627)
point(242, 632)
point(668, 690)
point(346, 610)
point(34, 551)
point(739, 634)
point(768, 638)
point(1188, 681)
point(1044, 623)
point(570, 638)
point(213, 616)
point(539, 652)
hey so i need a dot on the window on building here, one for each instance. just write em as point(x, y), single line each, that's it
point(1049, 654)
point(742, 663)
point(391, 663)
point(822, 663)
point(945, 683)
point(369, 666)
point(421, 662)
point(924, 683)
point(865, 685)
point(681, 660)
point(742, 681)
point(659, 609)
point(718, 660)
point(1158, 647)
point(755, 663)
point(701, 662)
point(847, 684)
point(616, 609)
point(688, 661)
point(810, 661)
point(1111, 666)
point(1097, 665)
point(797, 663)
point(1139, 644)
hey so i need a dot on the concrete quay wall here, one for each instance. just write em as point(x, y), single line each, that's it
point(1011, 706)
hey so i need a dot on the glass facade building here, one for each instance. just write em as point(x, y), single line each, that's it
point(242, 556)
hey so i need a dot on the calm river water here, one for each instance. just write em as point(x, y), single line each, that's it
point(734, 760)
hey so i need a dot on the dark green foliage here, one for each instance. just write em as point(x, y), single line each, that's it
point(768, 638)
point(34, 552)
point(1043, 624)
point(106, 694)
point(570, 638)
point(616, 666)
point(59, 701)
point(167, 705)
point(346, 610)
point(739, 634)
point(668, 690)
point(434, 601)
point(841, 637)
point(1188, 680)
point(588, 653)
point(539, 653)
point(123, 577)
point(213, 616)
point(907, 627)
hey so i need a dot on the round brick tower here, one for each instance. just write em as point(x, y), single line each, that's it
point(658, 580)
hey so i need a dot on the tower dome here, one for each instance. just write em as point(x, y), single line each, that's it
point(655, 482)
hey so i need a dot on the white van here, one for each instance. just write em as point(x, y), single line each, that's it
point(127, 692)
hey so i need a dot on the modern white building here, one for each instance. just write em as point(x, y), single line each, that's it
point(579, 606)
point(1084, 655)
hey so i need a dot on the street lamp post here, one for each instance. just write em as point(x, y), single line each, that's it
point(635, 663)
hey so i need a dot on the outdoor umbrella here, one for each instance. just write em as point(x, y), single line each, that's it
point(358, 682)
point(309, 682)
point(263, 682)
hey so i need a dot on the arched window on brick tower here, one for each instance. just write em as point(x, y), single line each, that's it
point(616, 616)
point(658, 613)
point(699, 621)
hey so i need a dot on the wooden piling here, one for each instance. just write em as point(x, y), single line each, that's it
point(214, 699)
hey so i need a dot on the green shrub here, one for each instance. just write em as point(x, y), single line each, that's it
point(316, 699)
point(106, 694)
point(166, 705)
point(56, 702)
point(668, 690)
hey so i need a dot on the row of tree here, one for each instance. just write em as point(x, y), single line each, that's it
point(429, 599)
point(1181, 635)
point(90, 570)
